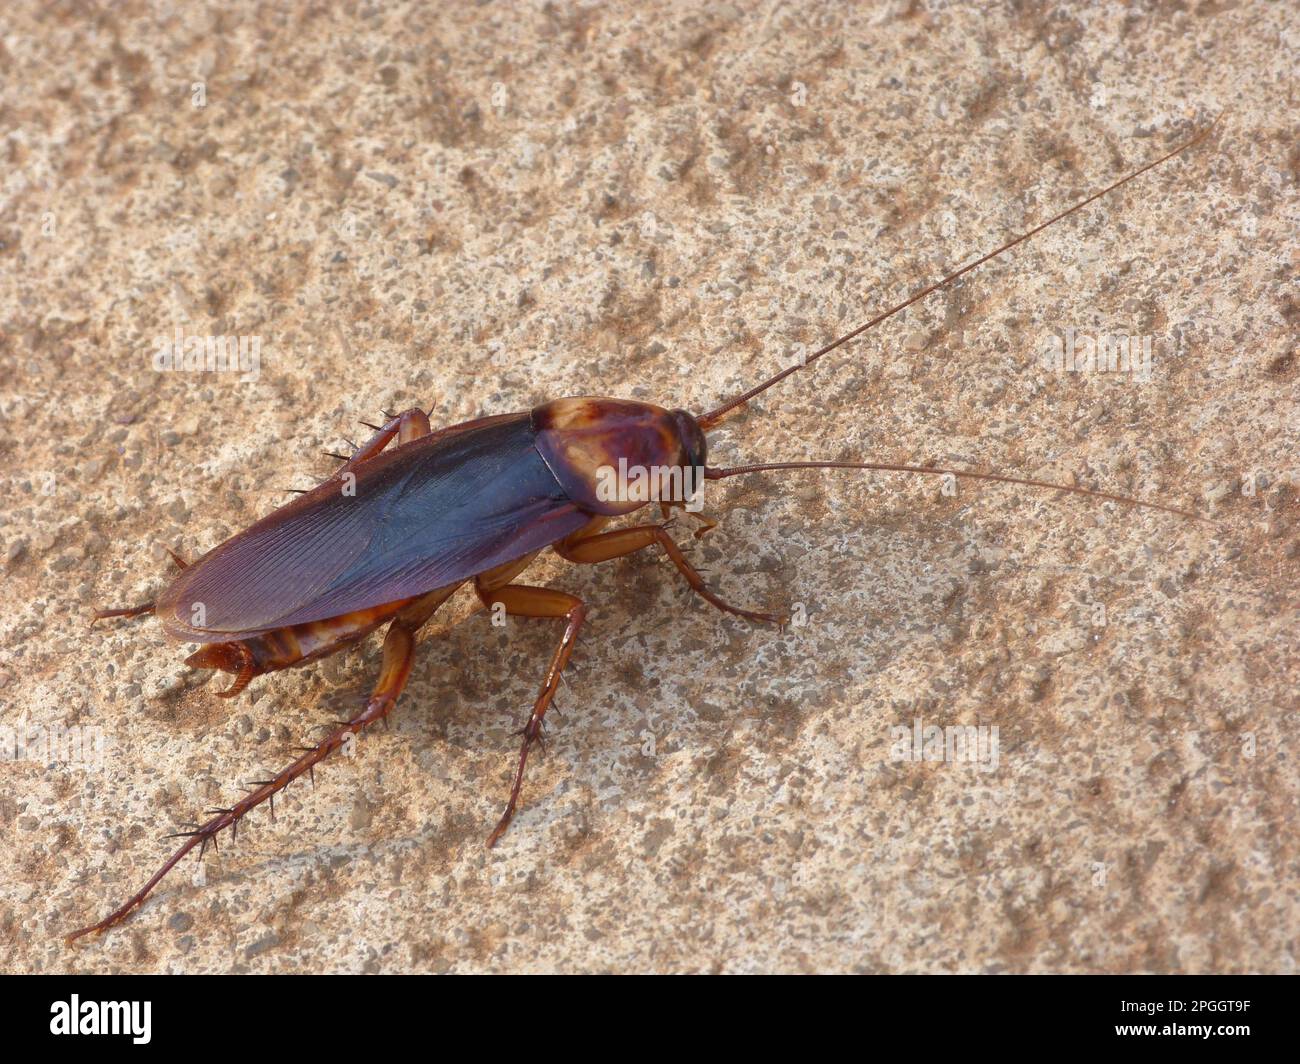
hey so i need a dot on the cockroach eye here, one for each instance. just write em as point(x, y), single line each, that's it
point(695, 447)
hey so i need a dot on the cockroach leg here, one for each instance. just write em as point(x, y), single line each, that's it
point(407, 426)
point(123, 611)
point(587, 549)
point(399, 647)
point(144, 607)
point(707, 523)
point(236, 656)
point(244, 675)
point(413, 424)
point(521, 600)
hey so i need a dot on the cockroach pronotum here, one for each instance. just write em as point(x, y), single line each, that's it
point(396, 530)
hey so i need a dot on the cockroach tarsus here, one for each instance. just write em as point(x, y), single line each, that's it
point(392, 534)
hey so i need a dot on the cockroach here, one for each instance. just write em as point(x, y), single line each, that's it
point(397, 529)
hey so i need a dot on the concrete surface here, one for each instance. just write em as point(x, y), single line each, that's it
point(481, 207)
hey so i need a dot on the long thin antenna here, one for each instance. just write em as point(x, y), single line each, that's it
point(968, 474)
point(710, 419)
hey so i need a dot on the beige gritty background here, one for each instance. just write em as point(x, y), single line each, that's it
point(482, 207)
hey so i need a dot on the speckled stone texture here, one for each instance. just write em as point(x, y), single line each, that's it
point(483, 206)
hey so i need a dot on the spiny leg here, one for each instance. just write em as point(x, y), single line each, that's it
point(407, 426)
point(399, 646)
point(521, 600)
point(707, 523)
point(587, 547)
point(144, 607)
point(246, 667)
point(123, 611)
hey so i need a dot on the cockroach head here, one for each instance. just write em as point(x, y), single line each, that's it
point(587, 440)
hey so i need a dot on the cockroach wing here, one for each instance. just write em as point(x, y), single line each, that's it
point(425, 515)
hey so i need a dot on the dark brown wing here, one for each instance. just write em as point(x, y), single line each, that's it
point(429, 514)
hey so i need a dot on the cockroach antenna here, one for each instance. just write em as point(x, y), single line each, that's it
point(709, 420)
point(711, 473)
